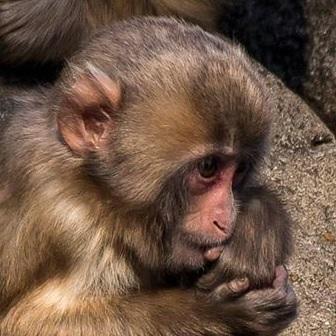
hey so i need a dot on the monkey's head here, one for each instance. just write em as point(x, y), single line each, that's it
point(171, 126)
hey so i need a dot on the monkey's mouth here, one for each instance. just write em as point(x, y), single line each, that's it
point(196, 250)
point(194, 254)
point(209, 253)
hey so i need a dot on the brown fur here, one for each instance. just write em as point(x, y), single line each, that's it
point(39, 31)
point(97, 165)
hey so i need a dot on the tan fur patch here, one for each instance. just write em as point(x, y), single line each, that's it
point(5, 193)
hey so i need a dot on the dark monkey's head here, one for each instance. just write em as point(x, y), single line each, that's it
point(171, 123)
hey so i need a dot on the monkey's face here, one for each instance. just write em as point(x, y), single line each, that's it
point(204, 212)
point(183, 146)
point(188, 152)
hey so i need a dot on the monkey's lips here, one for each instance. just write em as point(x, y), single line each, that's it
point(193, 252)
point(211, 251)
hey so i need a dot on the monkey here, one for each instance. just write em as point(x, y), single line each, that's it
point(37, 32)
point(133, 171)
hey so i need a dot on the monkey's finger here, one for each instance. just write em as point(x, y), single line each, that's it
point(281, 278)
point(231, 289)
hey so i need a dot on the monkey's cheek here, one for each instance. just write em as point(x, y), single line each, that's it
point(213, 253)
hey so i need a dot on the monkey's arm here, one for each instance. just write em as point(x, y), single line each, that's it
point(261, 241)
point(40, 31)
point(43, 31)
point(55, 309)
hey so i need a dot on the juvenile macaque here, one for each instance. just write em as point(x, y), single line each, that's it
point(134, 171)
point(39, 31)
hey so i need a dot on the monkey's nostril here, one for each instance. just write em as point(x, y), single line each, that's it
point(220, 227)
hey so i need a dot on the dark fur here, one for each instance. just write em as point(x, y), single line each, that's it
point(87, 240)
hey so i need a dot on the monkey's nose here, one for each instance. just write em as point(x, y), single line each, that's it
point(220, 225)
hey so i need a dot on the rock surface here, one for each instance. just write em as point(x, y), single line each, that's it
point(302, 168)
point(320, 82)
point(295, 40)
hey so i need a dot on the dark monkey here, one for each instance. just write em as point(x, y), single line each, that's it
point(135, 170)
point(47, 30)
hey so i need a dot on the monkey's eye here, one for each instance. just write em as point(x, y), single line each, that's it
point(208, 167)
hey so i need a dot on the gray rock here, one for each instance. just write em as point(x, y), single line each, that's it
point(320, 82)
point(295, 40)
point(304, 174)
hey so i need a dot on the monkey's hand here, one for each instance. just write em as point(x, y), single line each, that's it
point(262, 240)
point(258, 312)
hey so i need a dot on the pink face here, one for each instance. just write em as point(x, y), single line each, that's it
point(212, 213)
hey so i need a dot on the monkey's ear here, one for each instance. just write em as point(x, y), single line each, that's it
point(85, 119)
